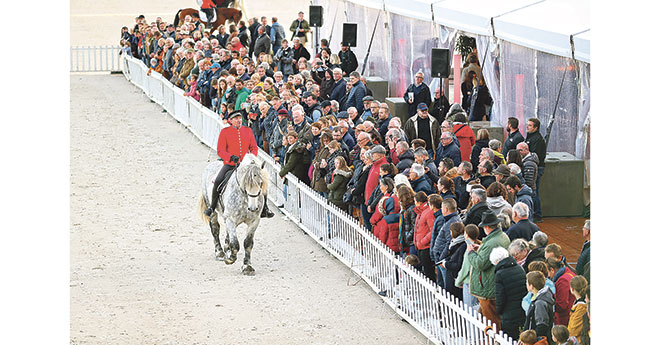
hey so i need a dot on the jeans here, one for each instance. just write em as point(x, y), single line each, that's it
point(468, 299)
point(537, 197)
point(441, 277)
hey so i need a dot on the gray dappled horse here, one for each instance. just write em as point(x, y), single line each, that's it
point(243, 199)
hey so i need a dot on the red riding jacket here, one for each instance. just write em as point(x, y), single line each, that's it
point(239, 142)
point(206, 4)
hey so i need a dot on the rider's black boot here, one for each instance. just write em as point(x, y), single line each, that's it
point(265, 212)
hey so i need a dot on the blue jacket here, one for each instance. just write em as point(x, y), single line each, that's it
point(452, 151)
point(443, 238)
point(355, 97)
point(349, 141)
point(422, 185)
point(437, 226)
point(525, 195)
point(338, 90)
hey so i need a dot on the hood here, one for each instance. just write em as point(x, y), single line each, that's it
point(343, 173)
point(455, 109)
point(525, 190)
point(420, 209)
point(531, 156)
point(546, 295)
point(506, 263)
point(496, 202)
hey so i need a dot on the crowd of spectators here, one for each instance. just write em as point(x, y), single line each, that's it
point(463, 206)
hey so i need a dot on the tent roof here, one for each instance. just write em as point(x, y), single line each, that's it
point(545, 25)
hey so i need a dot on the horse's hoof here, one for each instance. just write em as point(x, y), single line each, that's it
point(219, 255)
point(230, 261)
point(248, 270)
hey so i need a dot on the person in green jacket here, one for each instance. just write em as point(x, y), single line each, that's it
point(296, 159)
point(482, 281)
point(337, 188)
point(242, 94)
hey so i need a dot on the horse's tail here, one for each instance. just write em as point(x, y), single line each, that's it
point(202, 208)
point(176, 19)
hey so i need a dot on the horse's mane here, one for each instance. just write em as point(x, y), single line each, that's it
point(250, 170)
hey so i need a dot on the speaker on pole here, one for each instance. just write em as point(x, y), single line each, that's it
point(439, 63)
point(315, 16)
point(349, 35)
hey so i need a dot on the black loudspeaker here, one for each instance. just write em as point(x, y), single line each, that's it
point(439, 63)
point(349, 35)
point(315, 16)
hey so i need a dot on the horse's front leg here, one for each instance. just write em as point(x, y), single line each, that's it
point(234, 246)
point(247, 244)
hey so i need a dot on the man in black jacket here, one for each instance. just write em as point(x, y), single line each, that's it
point(510, 289)
point(479, 206)
point(514, 136)
point(540, 313)
point(253, 28)
point(349, 62)
point(537, 145)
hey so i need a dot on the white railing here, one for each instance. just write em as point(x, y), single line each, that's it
point(431, 310)
point(94, 59)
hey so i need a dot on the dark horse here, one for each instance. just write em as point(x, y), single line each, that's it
point(222, 14)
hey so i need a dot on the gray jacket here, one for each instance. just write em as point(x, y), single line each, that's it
point(530, 169)
point(284, 60)
point(262, 45)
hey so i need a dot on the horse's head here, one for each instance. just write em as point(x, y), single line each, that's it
point(237, 16)
point(253, 182)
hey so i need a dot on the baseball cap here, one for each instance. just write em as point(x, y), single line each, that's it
point(422, 106)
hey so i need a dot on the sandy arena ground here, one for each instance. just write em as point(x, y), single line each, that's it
point(142, 264)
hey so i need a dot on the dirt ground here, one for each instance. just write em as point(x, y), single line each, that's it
point(142, 268)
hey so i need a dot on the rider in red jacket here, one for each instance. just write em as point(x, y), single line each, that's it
point(208, 7)
point(234, 142)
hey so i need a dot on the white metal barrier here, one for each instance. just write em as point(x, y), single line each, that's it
point(431, 310)
point(94, 58)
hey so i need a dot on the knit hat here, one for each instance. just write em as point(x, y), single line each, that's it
point(283, 112)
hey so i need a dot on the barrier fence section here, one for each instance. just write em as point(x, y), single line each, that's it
point(94, 58)
point(431, 310)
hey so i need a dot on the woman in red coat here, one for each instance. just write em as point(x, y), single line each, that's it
point(423, 233)
point(385, 219)
point(465, 136)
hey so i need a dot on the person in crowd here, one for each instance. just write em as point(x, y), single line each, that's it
point(318, 182)
point(484, 173)
point(496, 147)
point(514, 137)
point(383, 120)
point(300, 27)
point(482, 281)
point(276, 34)
point(404, 154)
point(525, 253)
point(553, 250)
point(464, 134)
point(407, 219)
point(348, 60)
point(529, 337)
point(262, 41)
point(584, 261)
point(440, 246)
point(454, 259)
point(278, 137)
point(539, 315)
point(417, 93)
point(510, 288)
point(561, 276)
point(378, 157)
point(435, 205)
point(357, 192)
point(300, 54)
point(479, 206)
point(479, 98)
point(448, 148)
point(421, 125)
point(483, 137)
point(357, 93)
point(523, 193)
point(537, 145)
point(385, 220)
point(466, 89)
point(440, 105)
point(192, 90)
point(542, 267)
point(461, 181)
point(530, 166)
point(297, 158)
point(337, 187)
point(561, 336)
point(496, 198)
point(523, 227)
point(576, 321)
point(422, 158)
point(464, 275)
point(418, 180)
point(423, 233)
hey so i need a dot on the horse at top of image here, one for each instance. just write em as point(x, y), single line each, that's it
point(241, 202)
point(222, 14)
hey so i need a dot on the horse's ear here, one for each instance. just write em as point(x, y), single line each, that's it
point(263, 164)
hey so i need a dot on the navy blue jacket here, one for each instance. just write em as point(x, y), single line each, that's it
point(422, 185)
point(452, 151)
point(338, 90)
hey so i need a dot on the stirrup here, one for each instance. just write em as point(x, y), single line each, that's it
point(208, 212)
